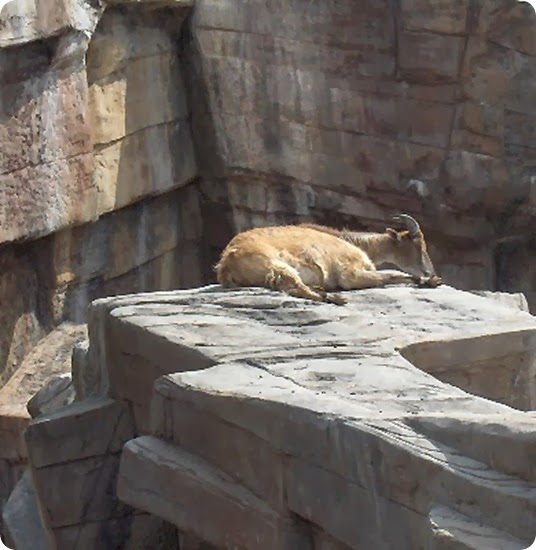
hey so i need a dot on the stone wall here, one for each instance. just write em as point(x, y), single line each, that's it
point(138, 137)
point(94, 195)
point(97, 192)
point(323, 111)
point(299, 112)
point(343, 435)
point(151, 245)
point(137, 105)
point(88, 130)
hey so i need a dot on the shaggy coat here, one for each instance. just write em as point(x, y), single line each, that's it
point(309, 261)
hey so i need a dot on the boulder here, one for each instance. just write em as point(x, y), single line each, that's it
point(21, 517)
point(56, 393)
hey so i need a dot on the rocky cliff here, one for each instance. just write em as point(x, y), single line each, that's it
point(138, 136)
point(128, 129)
point(249, 419)
point(345, 113)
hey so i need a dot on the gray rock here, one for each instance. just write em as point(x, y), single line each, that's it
point(514, 299)
point(298, 424)
point(82, 378)
point(22, 520)
point(55, 394)
point(197, 498)
point(320, 411)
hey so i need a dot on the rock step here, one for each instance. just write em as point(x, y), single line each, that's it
point(185, 490)
point(502, 441)
point(474, 488)
point(452, 530)
point(22, 520)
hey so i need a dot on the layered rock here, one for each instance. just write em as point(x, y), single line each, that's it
point(51, 357)
point(344, 115)
point(135, 137)
point(78, 121)
point(94, 188)
point(86, 513)
point(95, 124)
point(313, 112)
point(251, 419)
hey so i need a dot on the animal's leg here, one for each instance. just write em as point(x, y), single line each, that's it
point(322, 274)
point(373, 279)
point(286, 279)
point(430, 282)
point(331, 297)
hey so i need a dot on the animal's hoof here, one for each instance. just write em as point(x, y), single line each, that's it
point(336, 299)
point(430, 282)
point(320, 290)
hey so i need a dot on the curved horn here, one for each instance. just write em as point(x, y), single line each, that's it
point(410, 223)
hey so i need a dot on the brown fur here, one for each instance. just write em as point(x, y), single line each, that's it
point(309, 261)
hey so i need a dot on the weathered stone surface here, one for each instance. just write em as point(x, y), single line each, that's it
point(139, 532)
point(46, 168)
point(440, 16)
point(22, 521)
point(94, 118)
point(301, 121)
point(123, 373)
point(138, 248)
point(137, 100)
point(50, 357)
point(313, 420)
point(509, 356)
point(189, 493)
point(152, 245)
point(26, 22)
point(89, 496)
point(382, 457)
point(188, 542)
point(455, 531)
point(82, 443)
point(79, 140)
point(21, 327)
point(102, 426)
point(243, 455)
point(429, 58)
point(80, 371)
point(302, 431)
point(515, 299)
point(517, 265)
point(505, 443)
point(57, 393)
point(74, 456)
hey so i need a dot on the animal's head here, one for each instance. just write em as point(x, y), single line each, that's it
point(409, 248)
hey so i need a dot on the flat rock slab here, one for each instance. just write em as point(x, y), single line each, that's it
point(195, 496)
point(21, 517)
point(50, 357)
point(322, 412)
point(355, 354)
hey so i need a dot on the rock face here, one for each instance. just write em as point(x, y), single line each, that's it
point(51, 357)
point(249, 419)
point(79, 119)
point(345, 115)
point(137, 137)
point(96, 166)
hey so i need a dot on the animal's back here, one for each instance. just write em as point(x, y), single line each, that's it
point(250, 255)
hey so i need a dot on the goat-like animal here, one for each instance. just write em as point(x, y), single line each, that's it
point(309, 260)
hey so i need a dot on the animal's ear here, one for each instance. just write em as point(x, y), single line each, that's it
point(393, 233)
